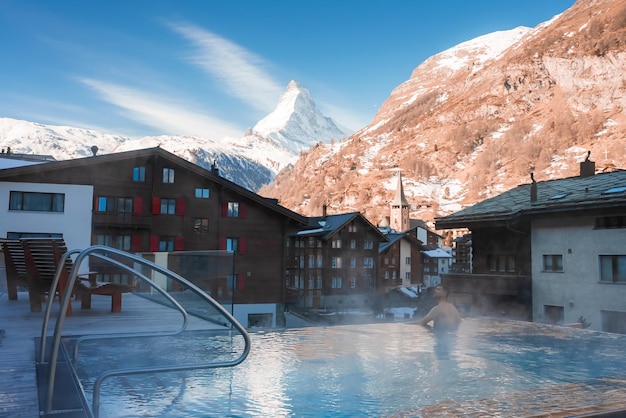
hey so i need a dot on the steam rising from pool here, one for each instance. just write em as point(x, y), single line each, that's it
point(365, 370)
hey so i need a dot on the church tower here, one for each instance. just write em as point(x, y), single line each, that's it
point(399, 216)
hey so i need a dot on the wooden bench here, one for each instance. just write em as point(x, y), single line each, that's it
point(42, 257)
point(15, 266)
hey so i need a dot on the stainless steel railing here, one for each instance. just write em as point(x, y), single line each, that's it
point(103, 253)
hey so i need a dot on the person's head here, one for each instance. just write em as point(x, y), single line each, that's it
point(441, 292)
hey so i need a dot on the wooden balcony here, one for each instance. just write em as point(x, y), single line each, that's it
point(488, 284)
point(121, 220)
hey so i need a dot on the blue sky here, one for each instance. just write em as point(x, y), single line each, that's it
point(215, 68)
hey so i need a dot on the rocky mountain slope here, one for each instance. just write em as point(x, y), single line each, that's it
point(250, 161)
point(477, 119)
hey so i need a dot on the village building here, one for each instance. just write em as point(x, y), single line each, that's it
point(151, 201)
point(549, 251)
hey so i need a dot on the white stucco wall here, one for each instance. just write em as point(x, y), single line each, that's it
point(74, 223)
point(405, 251)
point(577, 289)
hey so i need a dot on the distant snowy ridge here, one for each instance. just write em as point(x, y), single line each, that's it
point(251, 161)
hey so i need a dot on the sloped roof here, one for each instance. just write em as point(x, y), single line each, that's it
point(147, 152)
point(437, 253)
point(393, 238)
point(327, 226)
point(573, 194)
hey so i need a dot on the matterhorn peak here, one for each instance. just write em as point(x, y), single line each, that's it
point(296, 124)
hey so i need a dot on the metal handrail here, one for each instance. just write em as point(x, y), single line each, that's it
point(96, 251)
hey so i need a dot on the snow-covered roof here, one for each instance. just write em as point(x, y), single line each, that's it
point(436, 253)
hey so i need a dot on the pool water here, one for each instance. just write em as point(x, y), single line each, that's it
point(391, 369)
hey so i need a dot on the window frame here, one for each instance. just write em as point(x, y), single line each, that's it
point(554, 266)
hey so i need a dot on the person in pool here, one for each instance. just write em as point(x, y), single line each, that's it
point(444, 315)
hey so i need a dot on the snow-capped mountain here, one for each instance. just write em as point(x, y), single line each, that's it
point(478, 119)
point(296, 124)
point(250, 161)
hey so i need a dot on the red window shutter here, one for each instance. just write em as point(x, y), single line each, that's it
point(138, 205)
point(135, 243)
point(243, 210)
point(222, 243)
point(224, 209)
point(180, 206)
point(179, 243)
point(241, 281)
point(156, 205)
point(243, 245)
point(154, 243)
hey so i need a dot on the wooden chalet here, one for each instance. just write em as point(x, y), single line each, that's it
point(332, 264)
point(550, 251)
point(151, 200)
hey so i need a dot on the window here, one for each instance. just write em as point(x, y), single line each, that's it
point(125, 205)
point(393, 275)
point(232, 245)
point(311, 263)
point(352, 228)
point(233, 210)
point(336, 243)
point(553, 314)
point(368, 245)
point(353, 244)
point(168, 206)
point(613, 268)
point(368, 262)
point(166, 244)
point(104, 240)
point(168, 175)
point(336, 283)
point(200, 226)
point(139, 174)
point(386, 274)
point(202, 193)
point(301, 261)
point(386, 261)
point(407, 261)
point(123, 242)
point(320, 262)
point(613, 321)
point(336, 262)
point(407, 276)
point(552, 263)
point(353, 282)
point(319, 282)
point(38, 202)
point(106, 204)
point(352, 262)
point(311, 242)
point(501, 262)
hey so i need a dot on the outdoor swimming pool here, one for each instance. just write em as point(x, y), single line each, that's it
point(505, 368)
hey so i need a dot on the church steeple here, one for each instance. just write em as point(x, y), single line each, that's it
point(399, 216)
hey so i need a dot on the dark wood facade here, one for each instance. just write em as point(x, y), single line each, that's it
point(151, 200)
point(333, 264)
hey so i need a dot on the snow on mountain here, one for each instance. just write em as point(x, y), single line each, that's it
point(296, 124)
point(250, 161)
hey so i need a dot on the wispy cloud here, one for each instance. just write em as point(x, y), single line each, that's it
point(242, 74)
point(162, 113)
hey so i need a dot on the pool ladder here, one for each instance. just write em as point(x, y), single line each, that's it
point(103, 253)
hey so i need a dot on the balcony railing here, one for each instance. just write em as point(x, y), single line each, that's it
point(488, 284)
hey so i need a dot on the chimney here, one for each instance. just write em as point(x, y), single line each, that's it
point(533, 189)
point(214, 168)
point(587, 167)
point(324, 210)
